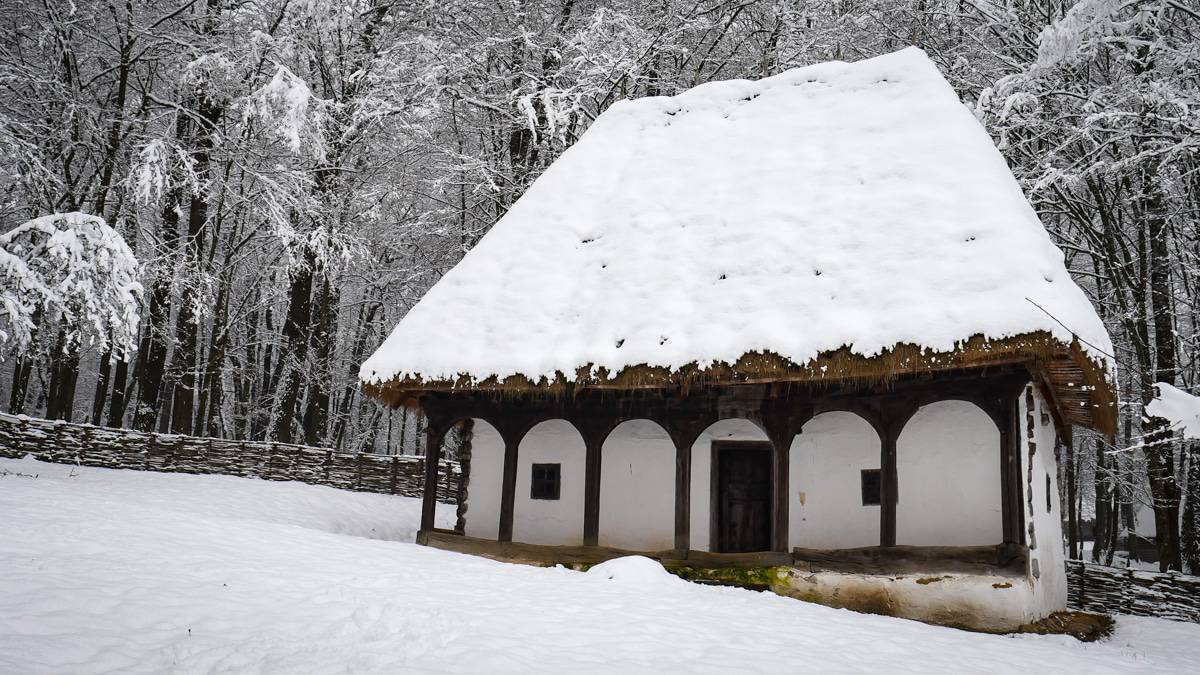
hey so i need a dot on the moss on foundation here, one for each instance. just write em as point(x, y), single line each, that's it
point(754, 578)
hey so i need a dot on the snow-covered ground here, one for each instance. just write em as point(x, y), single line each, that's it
point(104, 570)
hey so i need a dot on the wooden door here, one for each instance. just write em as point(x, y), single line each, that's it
point(743, 497)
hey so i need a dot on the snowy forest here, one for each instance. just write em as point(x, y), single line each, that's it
point(270, 184)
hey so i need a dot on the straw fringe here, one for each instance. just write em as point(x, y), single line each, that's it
point(834, 367)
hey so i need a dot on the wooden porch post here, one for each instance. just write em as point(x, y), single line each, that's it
point(783, 420)
point(508, 489)
point(591, 490)
point(433, 458)
point(779, 494)
point(1011, 507)
point(683, 495)
point(891, 419)
point(888, 487)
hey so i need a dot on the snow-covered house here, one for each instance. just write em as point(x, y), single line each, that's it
point(808, 328)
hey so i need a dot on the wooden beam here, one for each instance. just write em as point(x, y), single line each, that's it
point(433, 457)
point(915, 559)
point(591, 490)
point(508, 489)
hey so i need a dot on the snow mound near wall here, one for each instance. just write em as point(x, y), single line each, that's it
point(634, 570)
point(841, 204)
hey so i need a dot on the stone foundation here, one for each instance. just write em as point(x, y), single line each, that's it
point(975, 602)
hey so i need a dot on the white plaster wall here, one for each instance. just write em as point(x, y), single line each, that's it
point(559, 521)
point(637, 488)
point(825, 478)
point(483, 485)
point(948, 470)
point(1045, 539)
point(701, 512)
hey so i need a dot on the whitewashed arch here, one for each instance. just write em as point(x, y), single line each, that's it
point(559, 521)
point(948, 475)
point(731, 429)
point(825, 508)
point(484, 482)
point(637, 487)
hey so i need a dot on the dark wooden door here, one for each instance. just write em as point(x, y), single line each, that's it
point(743, 497)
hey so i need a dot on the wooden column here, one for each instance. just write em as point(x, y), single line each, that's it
point(591, 490)
point(1011, 493)
point(508, 489)
point(433, 458)
point(889, 486)
point(890, 420)
point(779, 494)
point(683, 494)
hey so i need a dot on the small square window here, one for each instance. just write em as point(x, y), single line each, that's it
point(546, 481)
point(870, 487)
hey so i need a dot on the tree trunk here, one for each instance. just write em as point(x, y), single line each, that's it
point(212, 393)
point(294, 352)
point(1072, 513)
point(316, 413)
point(1100, 529)
point(64, 373)
point(1190, 534)
point(22, 371)
point(1160, 439)
point(102, 383)
point(152, 353)
point(116, 402)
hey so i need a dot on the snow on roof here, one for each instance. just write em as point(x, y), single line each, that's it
point(1178, 407)
point(841, 204)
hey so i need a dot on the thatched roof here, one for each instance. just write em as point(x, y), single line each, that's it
point(833, 222)
point(1078, 386)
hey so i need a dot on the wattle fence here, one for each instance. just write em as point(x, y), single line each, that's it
point(63, 442)
point(1116, 590)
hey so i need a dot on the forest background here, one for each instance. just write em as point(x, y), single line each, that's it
point(292, 175)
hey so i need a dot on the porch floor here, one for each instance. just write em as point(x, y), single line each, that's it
point(1000, 560)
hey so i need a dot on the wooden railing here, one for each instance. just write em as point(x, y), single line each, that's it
point(1116, 590)
point(63, 442)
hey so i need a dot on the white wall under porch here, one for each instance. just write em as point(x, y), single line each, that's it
point(485, 481)
point(535, 521)
point(948, 474)
point(825, 508)
point(550, 521)
point(637, 488)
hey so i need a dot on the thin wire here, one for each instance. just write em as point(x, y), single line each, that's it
point(1071, 331)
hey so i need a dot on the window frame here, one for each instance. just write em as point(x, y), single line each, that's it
point(548, 476)
point(863, 481)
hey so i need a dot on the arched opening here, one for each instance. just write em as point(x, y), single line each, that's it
point(637, 496)
point(484, 481)
point(548, 507)
point(948, 477)
point(706, 492)
point(833, 478)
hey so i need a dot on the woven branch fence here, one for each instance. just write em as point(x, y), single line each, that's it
point(1116, 590)
point(63, 442)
